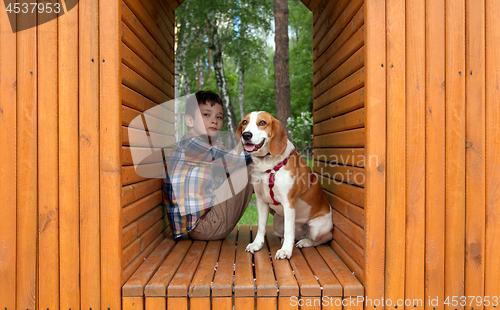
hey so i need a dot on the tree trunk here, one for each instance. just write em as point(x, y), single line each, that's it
point(281, 72)
point(241, 95)
point(185, 77)
point(199, 69)
point(209, 71)
point(222, 88)
point(178, 69)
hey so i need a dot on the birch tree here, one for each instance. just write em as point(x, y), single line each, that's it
point(215, 46)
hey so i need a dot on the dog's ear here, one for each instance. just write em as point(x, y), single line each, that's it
point(278, 143)
point(238, 131)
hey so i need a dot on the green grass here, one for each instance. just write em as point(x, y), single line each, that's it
point(250, 217)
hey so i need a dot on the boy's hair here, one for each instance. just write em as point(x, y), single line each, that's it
point(202, 97)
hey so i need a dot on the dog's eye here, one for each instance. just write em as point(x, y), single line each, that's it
point(262, 123)
point(244, 122)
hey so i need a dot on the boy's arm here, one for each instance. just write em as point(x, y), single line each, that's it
point(199, 150)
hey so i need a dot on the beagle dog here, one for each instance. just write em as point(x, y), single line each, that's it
point(284, 182)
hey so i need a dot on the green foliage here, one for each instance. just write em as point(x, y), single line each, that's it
point(259, 85)
point(251, 217)
point(301, 127)
point(301, 70)
point(244, 26)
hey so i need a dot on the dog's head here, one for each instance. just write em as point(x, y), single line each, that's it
point(261, 133)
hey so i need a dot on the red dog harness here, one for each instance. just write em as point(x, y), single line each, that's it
point(272, 172)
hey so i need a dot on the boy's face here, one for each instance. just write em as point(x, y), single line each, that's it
point(207, 120)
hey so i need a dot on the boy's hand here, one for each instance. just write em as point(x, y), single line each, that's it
point(239, 148)
point(219, 144)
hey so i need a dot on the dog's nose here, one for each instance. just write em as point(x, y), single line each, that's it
point(247, 135)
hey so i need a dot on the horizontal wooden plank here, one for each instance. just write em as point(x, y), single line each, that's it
point(135, 137)
point(199, 303)
point(264, 273)
point(136, 101)
point(167, 15)
point(174, 4)
point(223, 280)
point(132, 303)
point(341, 156)
point(351, 102)
point(136, 82)
point(313, 5)
point(349, 85)
point(159, 303)
point(347, 209)
point(342, 54)
point(179, 285)
point(134, 287)
point(135, 248)
point(225, 303)
point(355, 29)
point(166, 6)
point(129, 174)
point(350, 193)
point(202, 280)
point(350, 284)
point(135, 119)
point(142, 33)
point(133, 61)
point(351, 65)
point(339, 25)
point(349, 138)
point(348, 227)
point(287, 284)
point(135, 210)
point(346, 174)
point(137, 7)
point(138, 227)
point(347, 259)
point(143, 155)
point(134, 192)
point(320, 10)
point(354, 250)
point(308, 285)
point(244, 285)
point(132, 267)
point(352, 120)
point(157, 286)
point(136, 45)
point(161, 20)
point(328, 18)
point(331, 286)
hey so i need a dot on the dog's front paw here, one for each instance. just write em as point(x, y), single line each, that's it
point(254, 247)
point(283, 253)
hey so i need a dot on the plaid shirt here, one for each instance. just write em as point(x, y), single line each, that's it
point(195, 169)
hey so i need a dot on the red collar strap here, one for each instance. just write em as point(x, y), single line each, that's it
point(271, 177)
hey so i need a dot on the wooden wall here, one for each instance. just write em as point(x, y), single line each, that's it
point(339, 121)
point(60, 159)
point(443, 114)
point(431, 105)
point(147, 81)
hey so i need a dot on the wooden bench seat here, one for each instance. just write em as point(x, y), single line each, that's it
point(220, 274)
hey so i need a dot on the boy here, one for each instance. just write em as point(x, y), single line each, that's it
point(200, 201)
